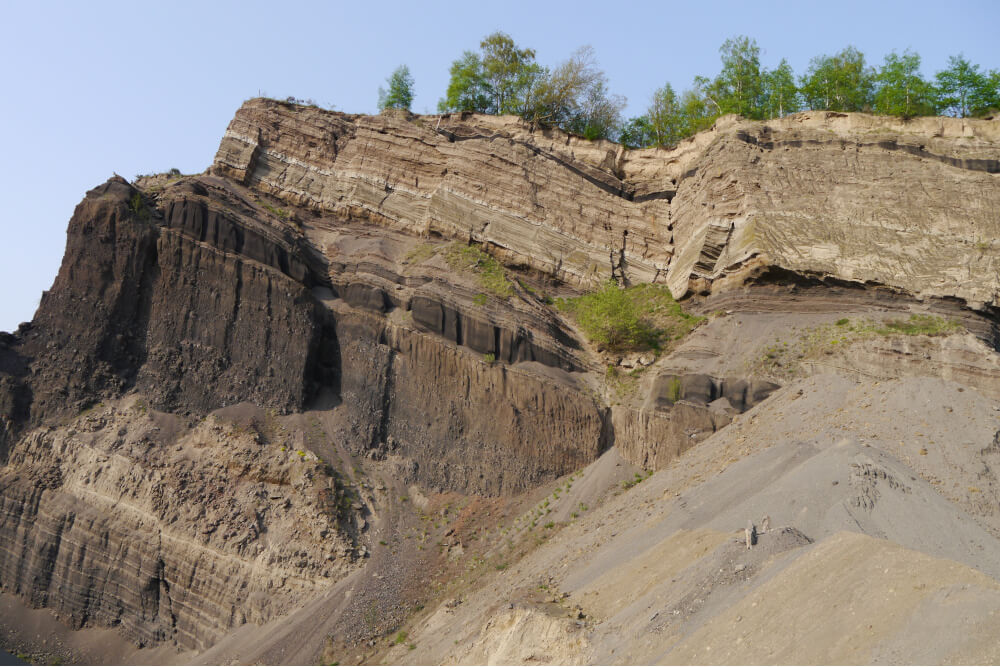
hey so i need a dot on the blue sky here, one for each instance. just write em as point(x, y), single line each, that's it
point(91, 89)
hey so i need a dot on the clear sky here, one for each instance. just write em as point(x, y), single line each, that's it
point(94, 88)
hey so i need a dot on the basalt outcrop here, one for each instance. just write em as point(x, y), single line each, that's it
point(189, 420)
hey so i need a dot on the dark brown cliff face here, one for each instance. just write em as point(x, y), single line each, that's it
point(166, 302)
point(190, 299)
point(192, 303)
point(88, 337)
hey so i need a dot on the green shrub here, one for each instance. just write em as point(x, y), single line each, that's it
point(643, 317)
point(138, 206)
point(609, 318)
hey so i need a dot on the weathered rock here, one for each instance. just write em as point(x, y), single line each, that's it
point(742, 394)
point(812, 193)
point(310, 269)
point(540, 198)
point(126, 517)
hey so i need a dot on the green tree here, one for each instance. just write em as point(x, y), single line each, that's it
point(575, 97)
point(963, 90)
point(467, 86)
point(665, 119)
point(781, 95)
point(400, 93)
point(598, 113)
point(697, 109)
point(505, 79)
point(500, 80)
point(739, 87)
point(900, 89)
point(637, 133)
point(993, 96)
point(840, 82)
point(556, 99)
point(509, 73)
point(670, 118)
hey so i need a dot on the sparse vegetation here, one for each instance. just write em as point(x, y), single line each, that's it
point(916, 325)
point(420, 253)
point(783, 359)
point(490, 273)
point(629, 483)
point(138, 206)
point(281, 213)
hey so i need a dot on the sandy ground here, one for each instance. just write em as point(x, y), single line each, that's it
point(882, 547)
point(871, 543)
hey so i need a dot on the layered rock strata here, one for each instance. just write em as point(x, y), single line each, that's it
point(815, 193)
point(322, 265)
point(130, 518)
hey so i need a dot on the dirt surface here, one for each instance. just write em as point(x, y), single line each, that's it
point(661, 571)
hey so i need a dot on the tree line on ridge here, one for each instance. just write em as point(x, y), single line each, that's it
point(504, 78)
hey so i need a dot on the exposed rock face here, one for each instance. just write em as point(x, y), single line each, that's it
point(131, 518)
point(319, 267)
point(460, 421)
point(544, 199)
point(189, 304)
point(194, 298)
point(813, 193)
point(816, 194)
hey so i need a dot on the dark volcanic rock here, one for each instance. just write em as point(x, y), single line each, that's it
point(701, 389)
point(193, 308)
